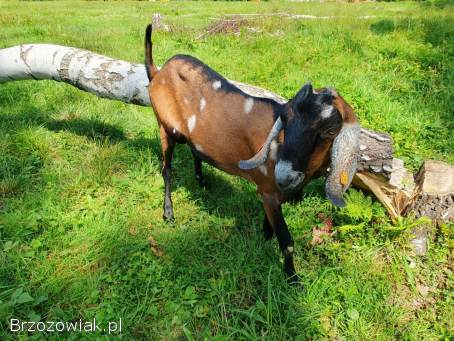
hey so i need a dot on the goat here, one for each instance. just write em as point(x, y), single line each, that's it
point(289, 143)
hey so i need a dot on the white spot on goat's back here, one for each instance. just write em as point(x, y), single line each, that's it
point(248, 104)
point(198, 147)
point(191, 123)
point(163, 81)
point(216, 85)
point(186, 100)
point(327, 111)
point(263, 169)
point(203, 103)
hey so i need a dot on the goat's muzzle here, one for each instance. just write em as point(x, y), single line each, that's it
point(287, 179)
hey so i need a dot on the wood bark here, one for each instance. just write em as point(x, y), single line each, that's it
point(434, 192)
point(88, 71)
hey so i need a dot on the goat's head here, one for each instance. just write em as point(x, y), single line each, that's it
point(318, 125)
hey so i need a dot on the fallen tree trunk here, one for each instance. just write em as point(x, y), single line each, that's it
point(88, 71)
point(120, 80)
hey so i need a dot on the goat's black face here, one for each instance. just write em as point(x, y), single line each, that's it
point(319, 127)
point(309, 121)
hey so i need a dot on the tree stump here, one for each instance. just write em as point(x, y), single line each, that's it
point(434, 192)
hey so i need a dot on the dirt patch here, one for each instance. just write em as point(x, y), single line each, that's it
point(230, 25)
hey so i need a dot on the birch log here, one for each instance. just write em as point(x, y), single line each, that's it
point(88, 71)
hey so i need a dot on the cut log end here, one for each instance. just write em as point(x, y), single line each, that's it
point(434, 193)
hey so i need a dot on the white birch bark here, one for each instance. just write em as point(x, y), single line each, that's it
point(88, 71)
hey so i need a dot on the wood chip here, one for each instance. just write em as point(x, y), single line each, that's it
point(155, 247)
point(318, 233)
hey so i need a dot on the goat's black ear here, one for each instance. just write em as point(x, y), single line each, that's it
point(303, 95)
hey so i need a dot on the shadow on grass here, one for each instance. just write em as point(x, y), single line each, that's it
point(193, 257)
point(96, 130)
point(229, 263)
point(212, 199)
point(382, 27)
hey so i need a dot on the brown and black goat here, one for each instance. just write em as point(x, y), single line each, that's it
point(289, 143)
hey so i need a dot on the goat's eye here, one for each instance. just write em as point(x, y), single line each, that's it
point(331, 132)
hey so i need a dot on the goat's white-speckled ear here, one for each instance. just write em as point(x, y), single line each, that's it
point(344, 156)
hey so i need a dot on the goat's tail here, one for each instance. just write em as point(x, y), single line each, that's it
point(152, 70)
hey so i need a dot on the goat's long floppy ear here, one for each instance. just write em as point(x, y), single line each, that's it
point(344, 154)
point(262, 156)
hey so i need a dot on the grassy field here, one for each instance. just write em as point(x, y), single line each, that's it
point(81, 234)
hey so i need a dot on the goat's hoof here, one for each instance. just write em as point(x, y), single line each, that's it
point(295, 281)
point(168, 217)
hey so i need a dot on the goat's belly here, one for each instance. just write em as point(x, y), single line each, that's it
point(223, 151)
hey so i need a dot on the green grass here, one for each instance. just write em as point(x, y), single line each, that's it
point(81, 191)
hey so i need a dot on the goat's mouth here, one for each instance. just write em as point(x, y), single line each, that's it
point(292, 187)
point(293, 192)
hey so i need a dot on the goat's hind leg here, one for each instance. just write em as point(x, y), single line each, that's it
point(198, 170)
point(268, 231)
point(168, 145)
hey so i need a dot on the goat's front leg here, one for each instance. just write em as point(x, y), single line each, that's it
point(167, 144)
point(274, 214)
